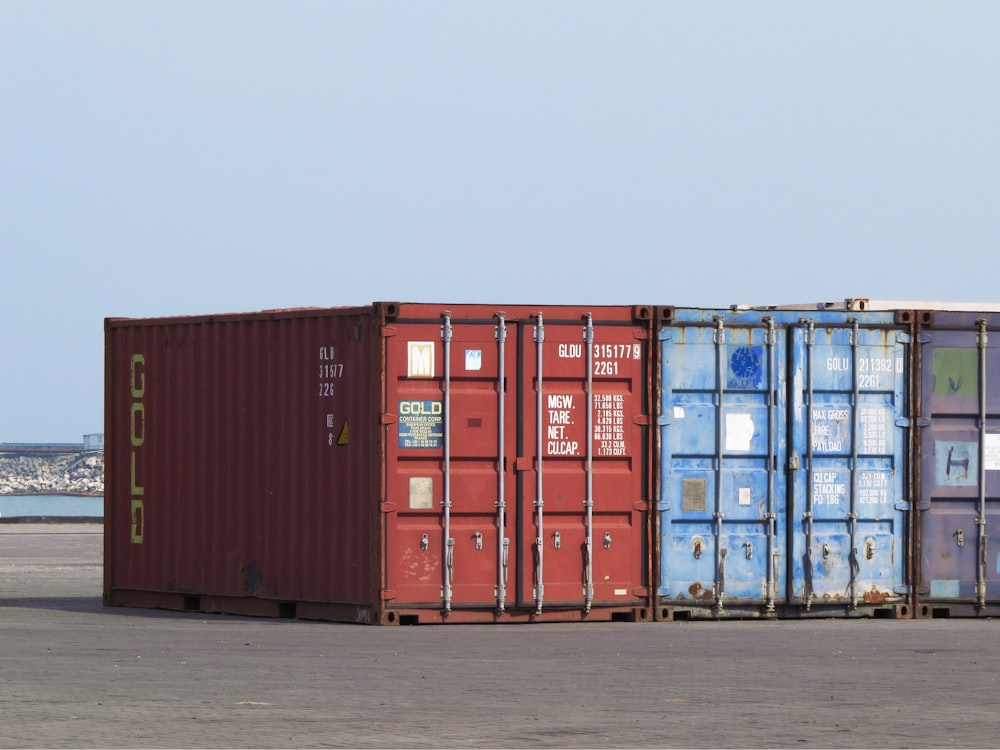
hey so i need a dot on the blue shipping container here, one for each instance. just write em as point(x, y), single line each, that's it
point(782, 474)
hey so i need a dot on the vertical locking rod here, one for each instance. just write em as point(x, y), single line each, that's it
point(539, 500)
point(588, 336)
point(981, 520)
point(448, 545)
point(501, 337)
point(855, 430)
point(771, 407)
point(807, 593)
point(720, 388)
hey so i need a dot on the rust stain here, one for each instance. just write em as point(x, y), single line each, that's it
point(698, 592)
point(875, 596)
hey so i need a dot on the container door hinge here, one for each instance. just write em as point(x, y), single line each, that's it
point(908, 423)
point(901, 589)
point(388, 331)
point(388, 594)
point(388, 507)
point(793, 462)
point(389, 419)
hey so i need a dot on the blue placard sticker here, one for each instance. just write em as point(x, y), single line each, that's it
point(745, 369)
point(421, 424)
point(956, 463)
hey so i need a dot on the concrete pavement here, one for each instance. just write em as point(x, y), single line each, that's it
point(75, 674)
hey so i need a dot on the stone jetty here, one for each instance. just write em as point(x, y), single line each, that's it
point(64, 474)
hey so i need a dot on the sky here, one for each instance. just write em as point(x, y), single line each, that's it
point(201, 157)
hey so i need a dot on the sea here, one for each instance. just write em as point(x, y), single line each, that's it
point(70, 507)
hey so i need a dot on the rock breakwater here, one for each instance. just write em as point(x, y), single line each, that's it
point(66, 474)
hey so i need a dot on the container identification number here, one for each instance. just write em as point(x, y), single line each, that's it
point(329, 370)
point(606, 356)
point(870, 369)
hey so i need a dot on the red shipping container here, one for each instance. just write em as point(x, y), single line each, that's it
point(394, 463)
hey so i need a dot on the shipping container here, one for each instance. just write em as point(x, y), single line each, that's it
point(395, 463)
point(782, 487)
point(956, 457)
point(958, 469)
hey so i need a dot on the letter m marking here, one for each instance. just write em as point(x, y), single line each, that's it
point(420, 359)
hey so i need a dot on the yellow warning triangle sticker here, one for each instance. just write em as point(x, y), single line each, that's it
point(344, 437)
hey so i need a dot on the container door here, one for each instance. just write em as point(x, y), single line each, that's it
point(722, 446)
point(848, 466)
point(960, 469)
point(584, 417)
point(448, 543)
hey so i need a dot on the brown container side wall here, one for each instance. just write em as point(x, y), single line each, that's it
point(240, 453)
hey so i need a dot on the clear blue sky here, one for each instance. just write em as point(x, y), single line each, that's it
point(194, 157)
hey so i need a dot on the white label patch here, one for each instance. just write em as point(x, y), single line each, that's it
point(473, 359)
point(739, 432)
point(678, 412)
point(991, 457)
point(422, 493)
point(744, 495)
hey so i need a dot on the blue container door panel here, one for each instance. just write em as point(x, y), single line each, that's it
point(720, 454)
point(848, 473)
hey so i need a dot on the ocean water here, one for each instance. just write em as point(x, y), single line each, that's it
point(52, 506)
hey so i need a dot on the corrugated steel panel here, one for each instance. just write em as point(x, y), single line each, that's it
point(227, 483)
point(958, 466)
point(783, 464)
point(391, 463)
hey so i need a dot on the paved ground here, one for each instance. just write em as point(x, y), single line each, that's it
point(73, 674)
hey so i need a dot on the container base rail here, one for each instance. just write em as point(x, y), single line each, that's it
point(934, 610)
point(365, 615)
point(674, 613)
